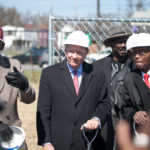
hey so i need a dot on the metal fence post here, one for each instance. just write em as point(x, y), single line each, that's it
point(50, 54)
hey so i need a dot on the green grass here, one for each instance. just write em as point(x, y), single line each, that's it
point(10, 53)
point(33, 76)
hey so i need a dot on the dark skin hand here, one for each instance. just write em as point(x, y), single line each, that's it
point(141, 117)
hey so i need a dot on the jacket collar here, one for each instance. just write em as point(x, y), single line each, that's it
point(66, 76)
point(4, 68)
point(4, 62)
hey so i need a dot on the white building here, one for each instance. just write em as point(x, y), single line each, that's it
point(15, 35)
point(141, 14)
point(23, 38)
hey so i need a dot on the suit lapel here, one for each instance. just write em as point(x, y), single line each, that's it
point(4, 68)
point(67, 79)
point(2, 77)
point(86, 78)
point(109, 69)
point(140, 83)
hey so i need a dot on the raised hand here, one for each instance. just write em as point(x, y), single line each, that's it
point(17, 80)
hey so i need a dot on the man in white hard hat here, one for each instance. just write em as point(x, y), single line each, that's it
point(136, 91)
point(72, 96)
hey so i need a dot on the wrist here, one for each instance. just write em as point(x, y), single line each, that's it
point(47, 143)
point(98, 120)
point(25, 84)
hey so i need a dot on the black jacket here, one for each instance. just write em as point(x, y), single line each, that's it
point(135, 95)
point(108, 131)
point(116, 91)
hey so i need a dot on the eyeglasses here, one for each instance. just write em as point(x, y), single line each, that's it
point(119, 41)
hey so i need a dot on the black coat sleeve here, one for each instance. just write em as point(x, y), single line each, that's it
point(104, 106)
point(128, 109)
point(44, 110)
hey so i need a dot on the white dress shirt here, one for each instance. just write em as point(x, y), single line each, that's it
point(148, 74)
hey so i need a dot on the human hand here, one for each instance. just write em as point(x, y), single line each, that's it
point(48, 147)
point(17, 80)
point(6, 133)
point(123, 136)
point(140, 117)
point(91, 124)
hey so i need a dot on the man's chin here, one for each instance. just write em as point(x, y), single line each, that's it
point(74, 66)
point(123, 53)
point(140, 67)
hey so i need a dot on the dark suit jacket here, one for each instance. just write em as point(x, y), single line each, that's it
point(105, 64)
point(60, 112)
point(136, 95)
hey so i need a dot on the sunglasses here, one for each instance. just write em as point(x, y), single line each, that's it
point(119, 41)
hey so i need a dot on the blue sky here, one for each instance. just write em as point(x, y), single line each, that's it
point(81, 8)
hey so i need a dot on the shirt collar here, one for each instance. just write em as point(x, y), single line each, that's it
point(147, 73)
point(80, 69)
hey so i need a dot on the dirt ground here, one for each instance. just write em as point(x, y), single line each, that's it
point(27, 114)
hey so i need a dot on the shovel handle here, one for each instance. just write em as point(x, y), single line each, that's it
point(89, 143)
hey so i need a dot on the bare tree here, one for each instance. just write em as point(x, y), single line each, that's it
point(136, 5)
point(13, 17)
point(37, 19)
point(140, 5)
point(10, 16)
point(130, 5)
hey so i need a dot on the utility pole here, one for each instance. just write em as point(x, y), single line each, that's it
point(98, 8)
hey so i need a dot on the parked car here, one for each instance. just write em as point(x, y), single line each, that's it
point(59, 56)
point(31, 56)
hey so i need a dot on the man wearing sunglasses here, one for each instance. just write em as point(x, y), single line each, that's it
point(111, 65)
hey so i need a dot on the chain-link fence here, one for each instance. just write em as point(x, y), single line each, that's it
point(96, 28)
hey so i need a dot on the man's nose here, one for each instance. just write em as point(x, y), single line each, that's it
point(74, 55)
point(123, 44)
point(136, 56)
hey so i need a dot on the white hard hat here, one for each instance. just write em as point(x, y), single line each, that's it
point(138, 40)
point(78, 38)
point(16, 141)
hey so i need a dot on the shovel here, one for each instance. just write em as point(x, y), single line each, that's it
point(89, 142)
